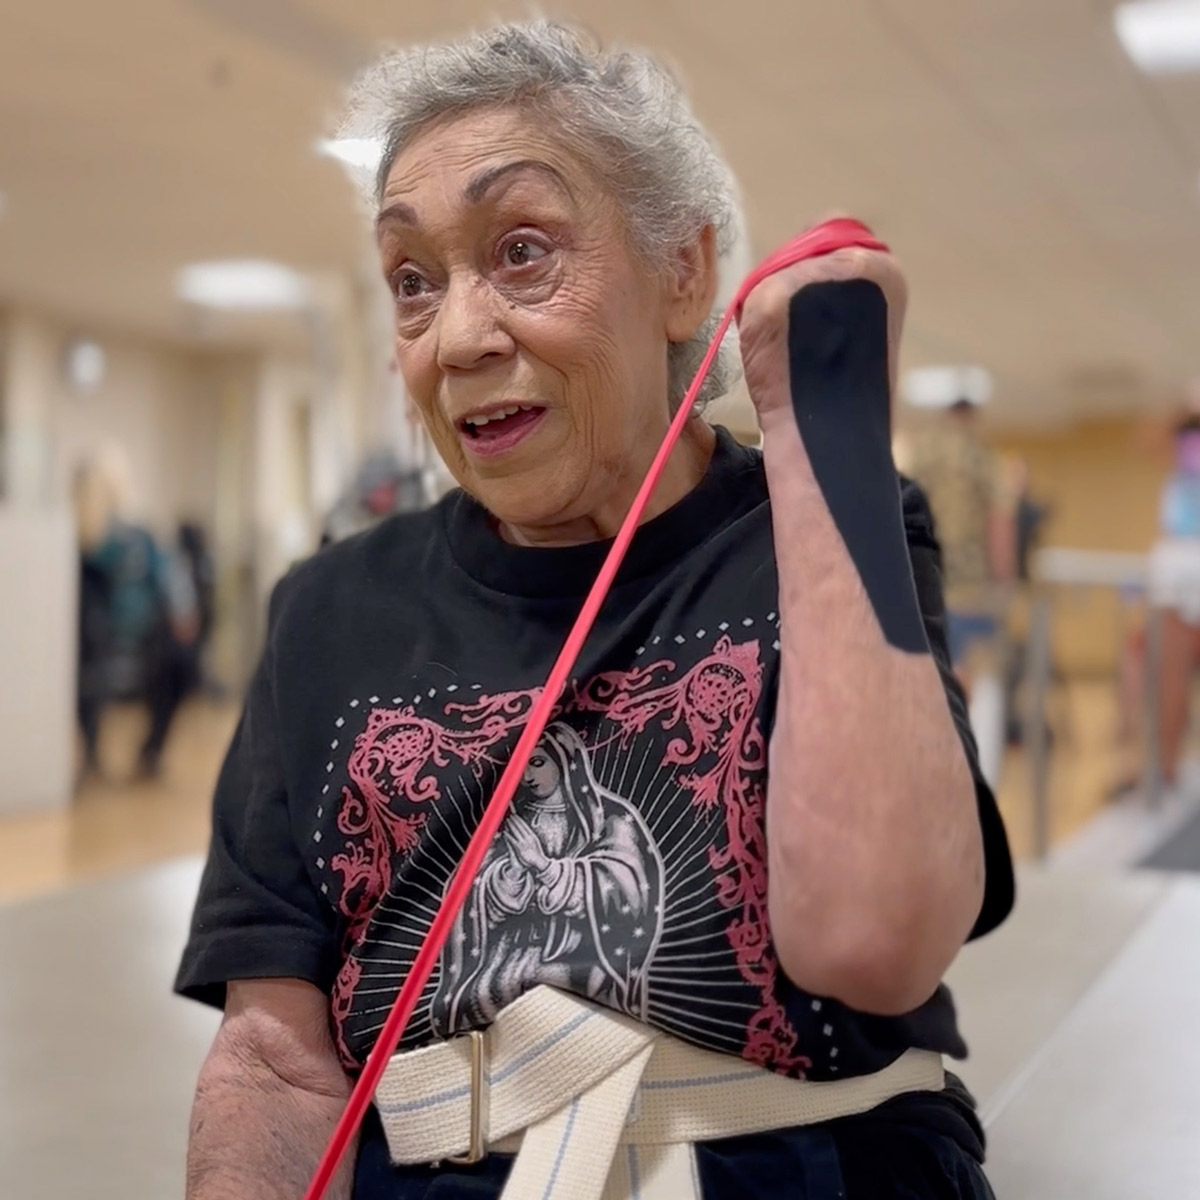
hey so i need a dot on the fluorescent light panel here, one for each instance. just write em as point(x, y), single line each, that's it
point(246, 284)
point(1161, 36)
point(85, 364)
point(940, 387)
point(361, 154)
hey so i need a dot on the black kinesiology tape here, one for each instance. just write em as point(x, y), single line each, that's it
point(838, 370)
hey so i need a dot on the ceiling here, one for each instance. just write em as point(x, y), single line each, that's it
point(1043, 196)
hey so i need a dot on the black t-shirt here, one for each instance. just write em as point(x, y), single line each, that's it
point(399, 670)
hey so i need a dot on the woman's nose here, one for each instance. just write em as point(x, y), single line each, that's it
point(470, 332)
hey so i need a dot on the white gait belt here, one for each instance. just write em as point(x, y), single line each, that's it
point(598, 1106)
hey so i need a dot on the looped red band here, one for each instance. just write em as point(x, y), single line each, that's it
point(839, 234)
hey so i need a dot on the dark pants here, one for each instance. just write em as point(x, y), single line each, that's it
point(92, 700)
point(859, 1158)
point(171, 674)
point(162, 673)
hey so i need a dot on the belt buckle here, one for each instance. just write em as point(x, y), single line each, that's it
point(476, 1147)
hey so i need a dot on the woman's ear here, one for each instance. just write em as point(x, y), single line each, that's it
point(692, 284)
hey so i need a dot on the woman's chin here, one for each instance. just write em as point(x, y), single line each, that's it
point(534, 500)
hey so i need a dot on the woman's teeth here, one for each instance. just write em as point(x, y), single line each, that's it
point(499, 415)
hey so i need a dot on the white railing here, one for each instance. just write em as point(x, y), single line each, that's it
point(1054, 570)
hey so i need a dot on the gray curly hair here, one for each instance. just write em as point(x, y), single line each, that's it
point(620, 108)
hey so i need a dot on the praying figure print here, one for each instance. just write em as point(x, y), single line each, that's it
point(569, 895)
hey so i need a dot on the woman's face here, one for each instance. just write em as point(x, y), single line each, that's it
point(542, 775)
point(531, 338)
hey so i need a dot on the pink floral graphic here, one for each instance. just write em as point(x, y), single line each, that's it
point(392, 773)
point(707, 721)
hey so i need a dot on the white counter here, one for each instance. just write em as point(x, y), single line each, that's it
point(39, 592)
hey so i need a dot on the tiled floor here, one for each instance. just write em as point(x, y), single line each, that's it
point(116, 826)
point(1085, 764)
point(98, 1061)
point(1106, 1108)
point(1078, 1012)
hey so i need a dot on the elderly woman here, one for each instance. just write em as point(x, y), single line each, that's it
point(755, 835)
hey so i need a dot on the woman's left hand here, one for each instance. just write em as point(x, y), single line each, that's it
point(525, 843)
point(763, 325)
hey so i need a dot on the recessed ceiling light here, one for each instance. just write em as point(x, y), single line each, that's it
point(1160, 36)
point(84, 364)
point(361, 153)
point(242, 284)
point(940, 387)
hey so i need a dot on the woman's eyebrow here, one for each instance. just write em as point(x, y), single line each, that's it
point(477, 189)
point(397, 213)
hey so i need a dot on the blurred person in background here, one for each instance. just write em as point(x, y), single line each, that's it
point(137, 615)
point(975, 518)
point(550, 217)
point(197, 561)
point(94, 489)
point(1174, 585)
point(974, 514)
point(1029, 516)
point(382, 488)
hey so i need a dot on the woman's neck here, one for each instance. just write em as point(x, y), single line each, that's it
point(684, 470)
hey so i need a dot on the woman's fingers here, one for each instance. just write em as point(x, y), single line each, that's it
point(764, 321)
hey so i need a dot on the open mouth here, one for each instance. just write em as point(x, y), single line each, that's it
point(501, 429)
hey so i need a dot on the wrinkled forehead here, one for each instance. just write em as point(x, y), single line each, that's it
point(463, 152)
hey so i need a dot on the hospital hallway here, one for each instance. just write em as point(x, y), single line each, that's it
point(242, 394)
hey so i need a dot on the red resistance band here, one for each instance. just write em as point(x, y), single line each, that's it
point(839, 234)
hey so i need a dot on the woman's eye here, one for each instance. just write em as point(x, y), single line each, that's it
point(409, 285)
point(522, 253)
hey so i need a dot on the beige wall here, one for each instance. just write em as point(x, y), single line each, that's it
point(159, 405)
point(1102, 480)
